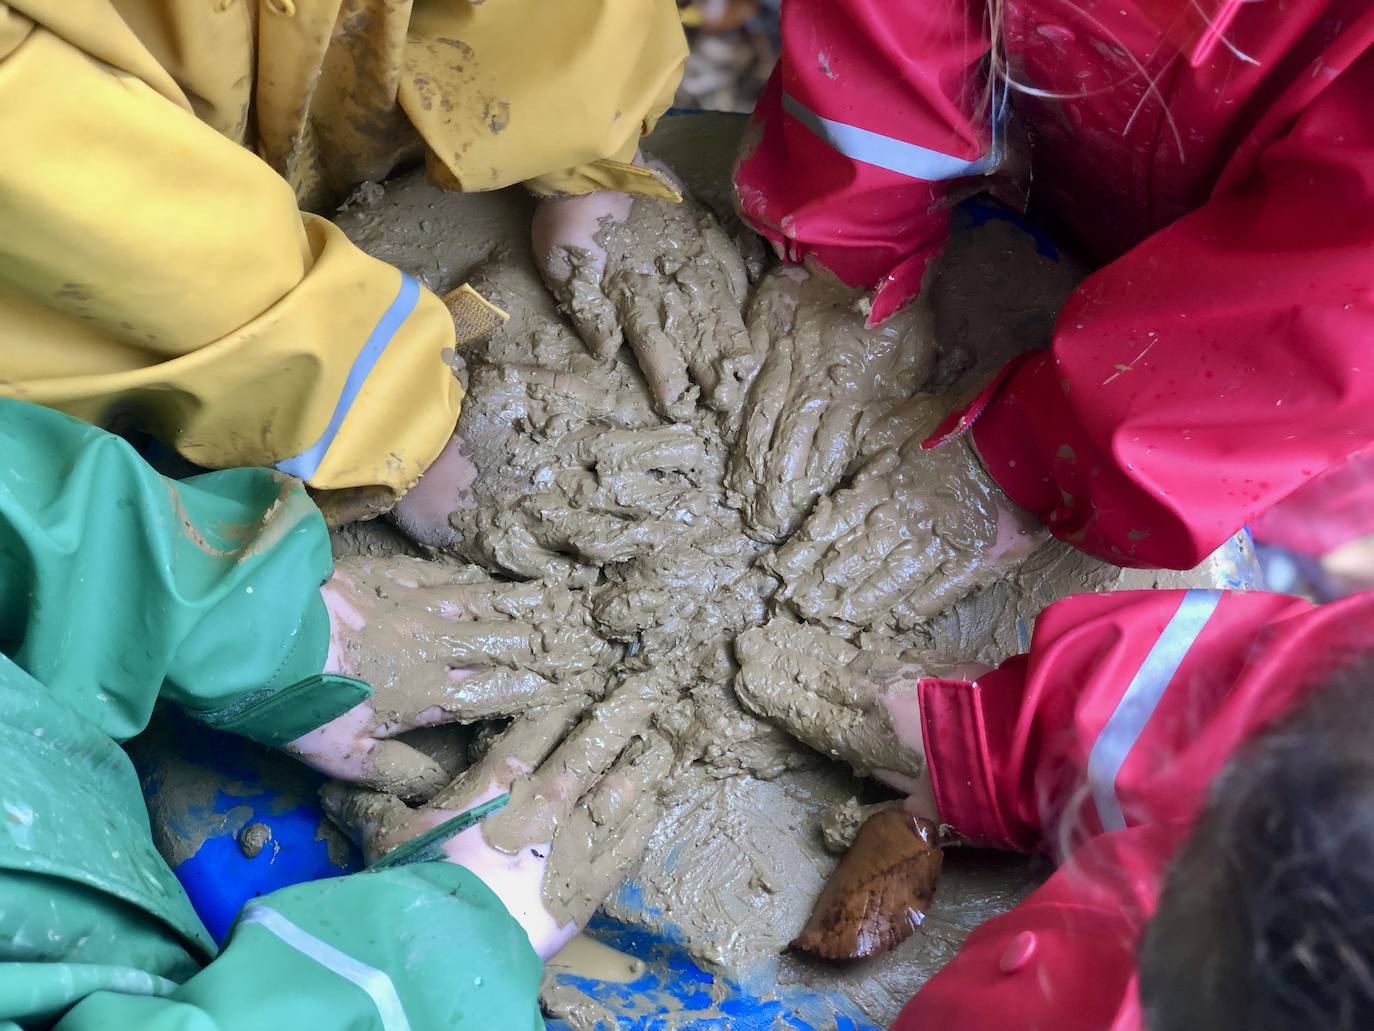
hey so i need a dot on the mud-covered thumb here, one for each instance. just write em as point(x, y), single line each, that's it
point(592, 314)
point(396, 768)
point(375, 821)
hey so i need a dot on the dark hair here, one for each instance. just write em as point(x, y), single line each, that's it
point(1266, 918)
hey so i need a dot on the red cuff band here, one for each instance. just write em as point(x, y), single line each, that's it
point(959, 758)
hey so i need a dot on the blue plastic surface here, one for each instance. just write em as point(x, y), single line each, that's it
point(255, 784)
point(674, 992)
point(220, 879)
point(260, 785)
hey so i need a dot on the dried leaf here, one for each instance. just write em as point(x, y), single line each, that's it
point(880, 891)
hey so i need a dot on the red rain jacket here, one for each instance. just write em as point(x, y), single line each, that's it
point(1099, 746)
point(1217, 158)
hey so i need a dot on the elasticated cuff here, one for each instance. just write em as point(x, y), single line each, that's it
point(1008, 436)
point(297, 698)
point(958, 755)
point(605, 175)
point(275, 717)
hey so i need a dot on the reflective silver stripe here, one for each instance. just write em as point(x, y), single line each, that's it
point(1138, 704)
point(887, 152)
point(307, 463)
point(371, 980)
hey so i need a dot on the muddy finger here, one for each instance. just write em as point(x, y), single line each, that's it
point(553, 621)
point(478, 645)
point(638, 299)
point(839, 517)
point(490, 694)
point(375, 821)
point(597, 537)
point(809, 702)
point(603, 839)
point(858, 587)
point(395, 767)
point(492, 599)
point(580, 395)
point(389, 575)
point(806, 660)
point(513, 546)
point(539, 803)
point(574, 278)
point(519, 750)
point(722, 361)
point(763, 510)
point(665, 449)
point(945, 588)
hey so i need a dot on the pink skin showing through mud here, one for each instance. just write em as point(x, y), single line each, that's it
point(1016, 537)
point(903, 705)
point(339, 748)
point(422, 513)
point(517, 879)
point(565, 223)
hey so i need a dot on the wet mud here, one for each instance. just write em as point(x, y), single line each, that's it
point(730, 496)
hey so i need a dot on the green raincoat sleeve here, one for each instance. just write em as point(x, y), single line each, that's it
point(409, 949)
point(119, 588)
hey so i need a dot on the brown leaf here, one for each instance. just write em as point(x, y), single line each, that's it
point(880, 891)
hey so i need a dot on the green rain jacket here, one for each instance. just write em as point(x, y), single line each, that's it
point(119, 588)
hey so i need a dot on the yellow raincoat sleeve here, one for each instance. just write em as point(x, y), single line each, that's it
point(155, 275)
point(551, 93)
point(555, 95)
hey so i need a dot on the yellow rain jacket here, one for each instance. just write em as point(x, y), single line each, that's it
point(156, 272)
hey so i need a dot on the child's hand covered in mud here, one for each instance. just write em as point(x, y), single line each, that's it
point(661, 277)
point(584, 801)
point(825, 379)
point(915, 531)
point(442, 644)
point(593, 494)
point(856, 704)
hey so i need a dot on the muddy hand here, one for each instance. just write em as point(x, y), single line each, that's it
point(597, 494)
point(583, 793)
point(661, 277)
point(857, 705)
point(918, 529)
point(824, 380)
point(583, 804)
point(442, 644)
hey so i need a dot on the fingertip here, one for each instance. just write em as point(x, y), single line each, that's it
point(400, 770)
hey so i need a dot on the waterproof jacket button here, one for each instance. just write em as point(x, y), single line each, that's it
point(1018, 953)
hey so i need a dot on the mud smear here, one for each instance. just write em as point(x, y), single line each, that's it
point(587, 957)
point(681, 495)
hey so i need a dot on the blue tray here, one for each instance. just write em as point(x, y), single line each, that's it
point(257, 784)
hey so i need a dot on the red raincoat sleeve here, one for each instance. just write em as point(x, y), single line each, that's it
point(1099, 745)
point(1064, 959)
point(873, 108)
point(1217, 366)
point(1124, 709)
